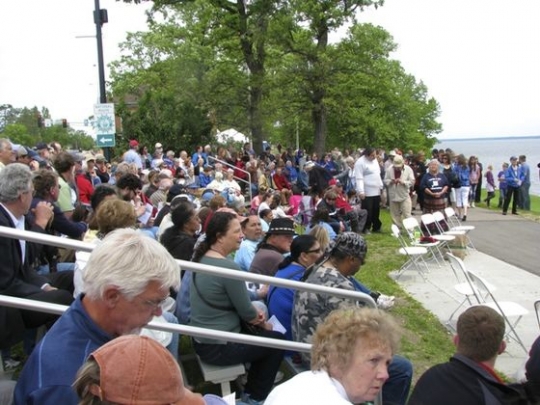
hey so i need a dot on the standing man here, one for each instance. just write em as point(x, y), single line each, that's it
point(399, 179)
point(127, 279)
point(525, 201)
point(514, 178)
point(367, 174)
point(132, 156)
point(469, 378)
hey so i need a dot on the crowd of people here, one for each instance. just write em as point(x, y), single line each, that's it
point(233, 210)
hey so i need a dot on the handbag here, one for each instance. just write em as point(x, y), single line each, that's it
point(245, 327)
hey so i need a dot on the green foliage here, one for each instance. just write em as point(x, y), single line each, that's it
point(267, 69)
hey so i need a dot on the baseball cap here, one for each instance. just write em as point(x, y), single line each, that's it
point(41, 146)
point(513, 158)
point(138, 370)
point(133, 143)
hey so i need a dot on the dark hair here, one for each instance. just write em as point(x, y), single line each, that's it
point(368, 151)
point(100, 193)
point(182, 213)
point(63, 162)
point(264, 212)
point(300, 244)
point(320, 214)
point(129, 181)
point(43, 181)
point(217, 226)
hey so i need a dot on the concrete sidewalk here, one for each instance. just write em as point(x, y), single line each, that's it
point(437, 294)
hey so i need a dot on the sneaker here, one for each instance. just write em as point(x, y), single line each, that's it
point(473, 206)
point(385, 301)
point(464, 219)
point(11, 364)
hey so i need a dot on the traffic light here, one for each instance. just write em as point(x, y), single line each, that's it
point(40, 122)
point(64, 123)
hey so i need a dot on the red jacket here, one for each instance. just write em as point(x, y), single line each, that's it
point(85, 187)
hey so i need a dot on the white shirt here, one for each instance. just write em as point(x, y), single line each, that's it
point(367, 174)
point(309, 388)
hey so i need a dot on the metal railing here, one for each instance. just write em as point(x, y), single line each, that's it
point(51, 240)
point(248, 181)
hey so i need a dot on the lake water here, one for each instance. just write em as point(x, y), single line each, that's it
point(495, 151)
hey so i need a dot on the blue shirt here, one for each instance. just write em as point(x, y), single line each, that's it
point(50, 370)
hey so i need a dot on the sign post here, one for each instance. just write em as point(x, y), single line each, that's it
point(105, 126)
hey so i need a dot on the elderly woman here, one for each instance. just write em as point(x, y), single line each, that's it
point(223, 304)
point(233, 190)
point(346, 256)
point(351, 353)
point(434, 185)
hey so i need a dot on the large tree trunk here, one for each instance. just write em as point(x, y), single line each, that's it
point(318, 114)
point(255, 118)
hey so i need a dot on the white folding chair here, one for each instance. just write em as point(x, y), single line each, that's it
point(430, 222)
point(507, 309)
point(455, 227)
point(415, 254)
point(412, 227)
point(463, 286)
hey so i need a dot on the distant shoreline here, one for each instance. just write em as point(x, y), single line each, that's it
point(491, 138)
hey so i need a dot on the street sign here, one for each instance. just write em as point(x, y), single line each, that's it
point(105, 141)
point(104, 119)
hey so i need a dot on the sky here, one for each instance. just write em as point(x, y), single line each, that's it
point(480, 59)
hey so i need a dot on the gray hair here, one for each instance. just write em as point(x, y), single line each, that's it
point(3, 143)
point(129, 260)
point(122, 169)
point(15, 179)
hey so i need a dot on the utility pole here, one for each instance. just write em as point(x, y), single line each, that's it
point(100, 18)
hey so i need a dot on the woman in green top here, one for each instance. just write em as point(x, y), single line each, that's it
point(221, 303)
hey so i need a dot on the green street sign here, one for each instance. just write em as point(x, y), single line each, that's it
point(105, 141)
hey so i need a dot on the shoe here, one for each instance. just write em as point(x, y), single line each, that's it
point(504, 213)
point(515, 213)
point(385, 301)
point(473, 206)
point(247, 400)
point(366, 232)
point(377, 231)
point(464, 219)
point(11, 364)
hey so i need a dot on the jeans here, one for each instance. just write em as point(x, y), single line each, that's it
point(396, 389)
point(175, 342)
point(265, 361)
point(44, 268)
point(525, 200)
point(511, 191)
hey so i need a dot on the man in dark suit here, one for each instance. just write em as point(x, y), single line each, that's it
point(18, 277)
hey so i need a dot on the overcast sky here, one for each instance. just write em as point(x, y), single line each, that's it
point(479, 58)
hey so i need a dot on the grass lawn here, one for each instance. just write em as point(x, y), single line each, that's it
point(425, 341)
point(533, 214)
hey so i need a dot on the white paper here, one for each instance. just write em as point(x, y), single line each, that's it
point(147, 214)
point(230, 399)
point(276, 325)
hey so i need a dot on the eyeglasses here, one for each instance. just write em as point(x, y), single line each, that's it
point(314, 251)
point(155, 304)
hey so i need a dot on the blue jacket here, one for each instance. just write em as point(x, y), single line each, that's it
point(463, 175)
point(51, 368)
point(514, 177)
point(280, 299)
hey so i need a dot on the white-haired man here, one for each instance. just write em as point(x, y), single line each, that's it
point(127, 278)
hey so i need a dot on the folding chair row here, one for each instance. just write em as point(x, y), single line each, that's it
point(413, 229)
point(482, 294)
point(415, 254)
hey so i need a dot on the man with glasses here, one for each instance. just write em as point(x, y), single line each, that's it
point(126, 280)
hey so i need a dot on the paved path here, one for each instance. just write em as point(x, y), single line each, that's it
point(504, 256)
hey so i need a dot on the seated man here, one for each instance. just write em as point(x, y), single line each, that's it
point(18, 276)
point(127, 278)
point(469, 378)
